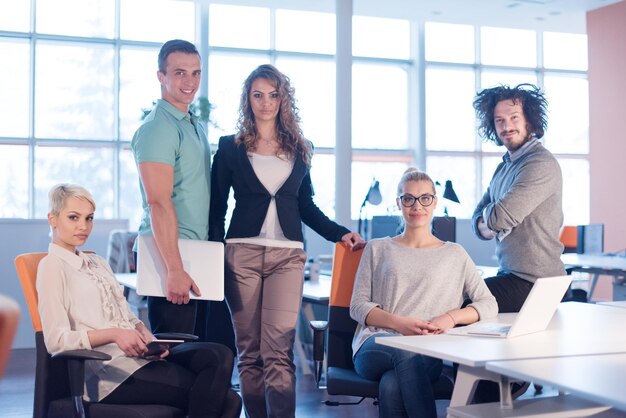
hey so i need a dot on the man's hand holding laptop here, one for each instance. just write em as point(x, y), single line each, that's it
point(178, 285)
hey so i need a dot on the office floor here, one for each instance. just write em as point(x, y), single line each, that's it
point(16, 394)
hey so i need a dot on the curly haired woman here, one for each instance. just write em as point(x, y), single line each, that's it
point(267, 165)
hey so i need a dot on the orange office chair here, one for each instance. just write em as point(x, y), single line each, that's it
point(569, 238)
point(9, 318)
point(59, 379)
point(341, 378)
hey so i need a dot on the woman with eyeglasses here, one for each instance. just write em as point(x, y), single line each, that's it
point(412, 284)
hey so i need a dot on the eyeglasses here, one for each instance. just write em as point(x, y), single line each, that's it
point(408, 200)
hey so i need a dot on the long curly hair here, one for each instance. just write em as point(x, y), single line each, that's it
point(289, 135)
point(533, 102)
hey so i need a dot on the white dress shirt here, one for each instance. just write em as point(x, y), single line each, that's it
point(77, 293)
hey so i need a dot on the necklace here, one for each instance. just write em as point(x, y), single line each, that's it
point(269, 142)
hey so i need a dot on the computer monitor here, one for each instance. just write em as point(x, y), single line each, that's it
point(443, 227)
point(385, 226)
point(590, 239)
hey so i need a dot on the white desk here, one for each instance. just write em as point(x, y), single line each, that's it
point(615, 303)
point(599, 378)
point(562, 406)
point(487, 271)
point(317, 291)
point(576, 329)
point(129, 280)
point(313, 291)
point(138, 303)
point(596, 264)
point(599, 261)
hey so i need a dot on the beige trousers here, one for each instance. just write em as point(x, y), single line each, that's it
point(264, 292)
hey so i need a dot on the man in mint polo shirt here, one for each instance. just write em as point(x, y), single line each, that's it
point(174, 162)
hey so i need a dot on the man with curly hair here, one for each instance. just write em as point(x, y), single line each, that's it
point(522, 207)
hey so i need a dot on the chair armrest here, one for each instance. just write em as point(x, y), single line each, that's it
point(319, 343)
point(76, 367)
point(318, 325)
point(319, 338)
point(176, 336)
point(82, 355)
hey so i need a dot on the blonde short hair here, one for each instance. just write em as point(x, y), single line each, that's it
point(58, 195)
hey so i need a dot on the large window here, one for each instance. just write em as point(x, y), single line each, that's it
point(76, 90)
point(380, 86)
point(74, 94)
point(453, 149)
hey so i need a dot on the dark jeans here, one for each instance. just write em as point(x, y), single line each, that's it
point(195, 377)
point(405, 388)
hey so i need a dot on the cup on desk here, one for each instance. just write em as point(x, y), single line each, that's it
point(312, 270)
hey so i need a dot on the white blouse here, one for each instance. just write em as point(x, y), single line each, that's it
point(272, 171)
point(78, 293)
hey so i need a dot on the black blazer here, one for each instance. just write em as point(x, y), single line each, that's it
point(294, 200)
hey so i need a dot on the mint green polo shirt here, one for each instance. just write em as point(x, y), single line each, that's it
point(176, 138)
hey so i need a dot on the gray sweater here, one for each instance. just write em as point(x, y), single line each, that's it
point(523, 205)
point(423, 283)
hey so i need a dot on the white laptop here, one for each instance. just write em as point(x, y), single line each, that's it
point(535, 315)
point(203, 260)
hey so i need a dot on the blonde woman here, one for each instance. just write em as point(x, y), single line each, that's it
point(82, 307)
point(412, 284)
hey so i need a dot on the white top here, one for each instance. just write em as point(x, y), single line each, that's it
point(418, 282)
point(78, 293)
point(272, 171)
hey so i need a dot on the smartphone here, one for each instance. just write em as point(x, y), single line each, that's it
point(157, 347)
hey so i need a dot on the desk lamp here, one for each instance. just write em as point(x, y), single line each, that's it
point(373, 197)
point(448, 193)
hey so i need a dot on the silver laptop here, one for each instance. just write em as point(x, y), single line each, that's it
point(203, 260)
point(535, 315)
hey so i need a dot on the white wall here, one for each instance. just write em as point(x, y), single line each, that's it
point(19, 236)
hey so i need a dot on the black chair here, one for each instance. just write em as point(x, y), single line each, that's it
point(583, 239)
point(59, 379)
point(341, 378)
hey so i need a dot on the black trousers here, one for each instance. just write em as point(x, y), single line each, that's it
point(195, 377)
point(165, 316)
point(510, 292)
point(209, 320)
